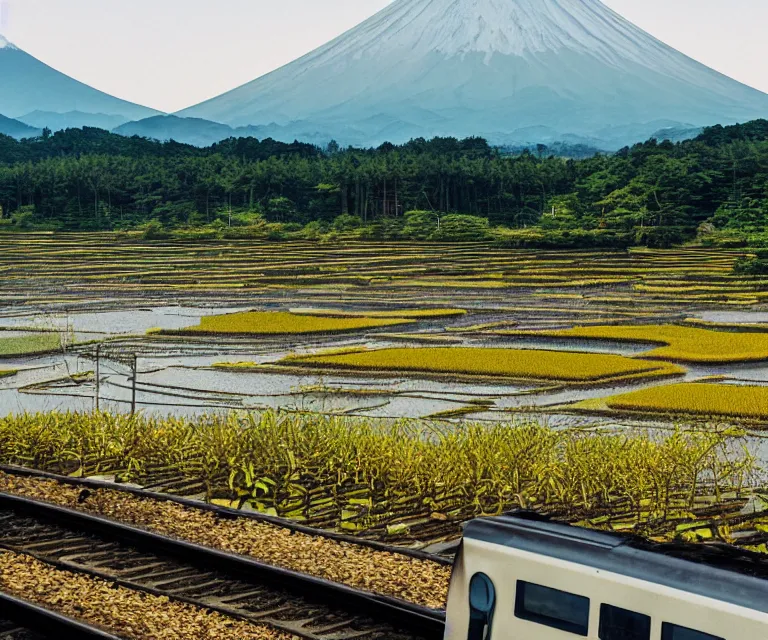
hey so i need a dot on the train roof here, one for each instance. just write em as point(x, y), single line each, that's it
point(722, 572)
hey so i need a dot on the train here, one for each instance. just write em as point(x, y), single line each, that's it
point(525, 577)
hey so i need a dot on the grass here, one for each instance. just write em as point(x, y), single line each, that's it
point(696, 398)
point(506, 363)
point(281, 323)
point(31, 344)
point(681, 343)
point(390, 480)
point(402, 313)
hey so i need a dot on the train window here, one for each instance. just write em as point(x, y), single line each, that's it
point(675, 632)
point(622, 624)
point(552, 608)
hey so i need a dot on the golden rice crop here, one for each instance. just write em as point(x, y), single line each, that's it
point(509, 363)
point(279, 322)
point(453, 284)
point(396, 313)
point(682, 343)
point(31, 344)
point(700, 398)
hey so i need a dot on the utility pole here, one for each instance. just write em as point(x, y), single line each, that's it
point(133, 384)
point(98, 374)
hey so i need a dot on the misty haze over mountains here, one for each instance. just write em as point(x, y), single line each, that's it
point(29, 87)
point(512, 71)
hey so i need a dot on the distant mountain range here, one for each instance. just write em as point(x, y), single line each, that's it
point(517, 72)
point(204, 133)
point(72, 120)
point(39, 95)
point(17, 129)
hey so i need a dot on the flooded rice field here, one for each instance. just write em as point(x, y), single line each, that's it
point(70, 311)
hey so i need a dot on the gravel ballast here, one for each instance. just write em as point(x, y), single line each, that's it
point(420, 582)
point(123, 612)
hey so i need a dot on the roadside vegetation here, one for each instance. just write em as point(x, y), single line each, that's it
point(407, 480)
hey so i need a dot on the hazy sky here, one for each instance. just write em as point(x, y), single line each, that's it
point(170, 54)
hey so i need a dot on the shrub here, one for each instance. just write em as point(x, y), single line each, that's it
point(661, 237)
point(751, 266)
point(24, 217)
point(153, 230)
point(347, 222)
point(461, 228)
point(420, 225)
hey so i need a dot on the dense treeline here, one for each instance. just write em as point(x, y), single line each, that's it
point(655, 193)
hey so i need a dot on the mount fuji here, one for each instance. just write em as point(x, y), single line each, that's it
point(29, 87)
point(509, 70)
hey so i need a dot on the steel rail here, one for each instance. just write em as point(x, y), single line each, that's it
point(226, 512)
point(33, 620)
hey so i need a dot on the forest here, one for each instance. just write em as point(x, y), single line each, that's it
point(713, 188)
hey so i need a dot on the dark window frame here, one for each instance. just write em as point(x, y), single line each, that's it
point(605, 607)
point(523, 613)
point(668, 629)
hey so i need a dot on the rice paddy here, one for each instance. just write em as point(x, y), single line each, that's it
point(703, 399)
point(400, 313)
point(280, 323)
point(681, 343)
point(29, 344)
point(242, 325)
point(527, 364)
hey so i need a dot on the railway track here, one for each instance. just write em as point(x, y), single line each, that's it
point(10, 630)
point(22, 620)
point(307, 607)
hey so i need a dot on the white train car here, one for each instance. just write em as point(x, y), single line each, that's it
point(524, 578)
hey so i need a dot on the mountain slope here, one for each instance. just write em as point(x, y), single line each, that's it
point(30, 85)
point(17, 129)
point(201, 133)
point(72, 120)
point(487, 67)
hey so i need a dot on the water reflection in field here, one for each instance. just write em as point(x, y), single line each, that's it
point(176, 375)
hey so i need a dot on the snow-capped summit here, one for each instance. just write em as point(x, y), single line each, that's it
point(504, 27)
point(487, 67)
